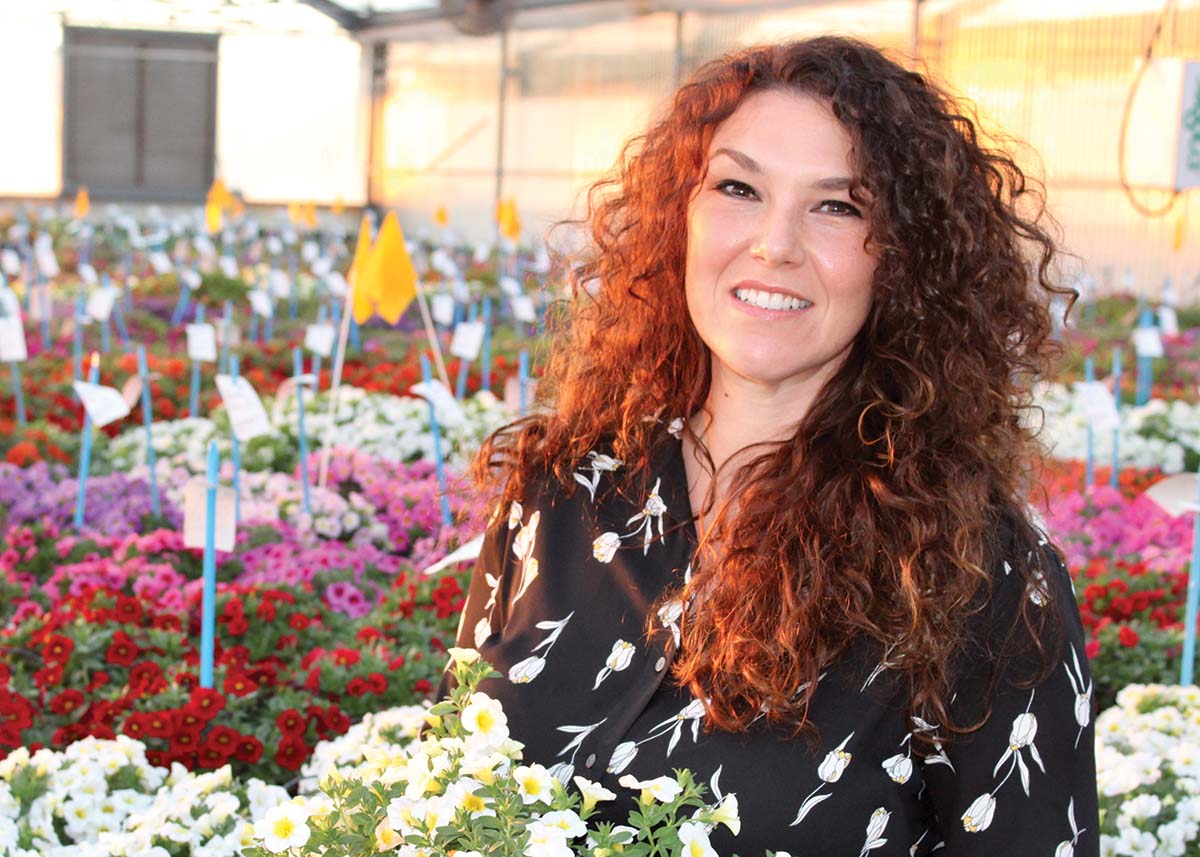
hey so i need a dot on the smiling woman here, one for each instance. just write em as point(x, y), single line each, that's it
point(802, 565)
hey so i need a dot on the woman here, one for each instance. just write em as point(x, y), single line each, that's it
point(771, 527)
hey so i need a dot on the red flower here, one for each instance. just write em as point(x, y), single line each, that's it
point(377, 683)
point(240, 684)
point(135, 726)
point(128, 610)
point(123, 651)
point(335, 720)
point(238, 626)
point(249, 750)
point(299, 622)
point(396, 662)
point(368, 634)
point(224, 740)
point(57, 650)
point(1128, 637)
point(266, 611)
point(313, 683)
point(66, 702)
point(146, 678)
point(291, 753)
point(1092, 648)
point(48, 676)
point(99, 679)
point(346, 657)
point(290, 722)
point(205, 703)
point(357, 687)
point(159, 724)
point(423, 687)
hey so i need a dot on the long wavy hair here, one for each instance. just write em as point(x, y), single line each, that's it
point(877, 519)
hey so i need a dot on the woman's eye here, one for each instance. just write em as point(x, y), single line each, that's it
point(735, 188)
point(843, 208)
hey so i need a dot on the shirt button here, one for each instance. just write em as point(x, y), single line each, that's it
point(591, 760)
point(659, 664)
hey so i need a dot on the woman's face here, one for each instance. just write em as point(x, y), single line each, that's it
point(778, 281)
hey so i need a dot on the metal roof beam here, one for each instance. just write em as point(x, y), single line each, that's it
point(348, 19)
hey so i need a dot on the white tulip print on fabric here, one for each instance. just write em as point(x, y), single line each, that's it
point(829, 771)
point(875, 828)
point(651, 517)
point(563, 771)
point(938, 756)
point(598, 463)
point(1066, 848)
point(527, 670)
point(523, 548)
point(1083, 694)
point(617, 660)
point(1024, 729)
point(625, 752)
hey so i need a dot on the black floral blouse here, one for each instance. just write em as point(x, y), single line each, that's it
point(559, 603)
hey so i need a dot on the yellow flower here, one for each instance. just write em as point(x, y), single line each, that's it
point(386, 838)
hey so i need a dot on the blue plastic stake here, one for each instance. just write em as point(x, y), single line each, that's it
point(14, 369)
point(226, 326)
point(105, 337)
point(427, 375)
point(269, 326)
point(122, 329)
point(181, 307)
point(1089, 371)
point(1145, 365)
point(355, 336)
point(77, 365)
point(293, 296)
point(85, 452)
point(297, 371)
point(237, 453)
point(194, 391)
point(144, 372)
point(485, 355)
point(464, 366)
point(254, 327)
point(1116, 437)
point(523, 377)
point(208, 607)
point(1193, 604)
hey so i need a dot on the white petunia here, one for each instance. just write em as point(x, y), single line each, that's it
point(484, 718)
point(534, 783)
point(592, 792)
point(693, 837)
point(566, 820)
point(664, 789)
point(284, 826)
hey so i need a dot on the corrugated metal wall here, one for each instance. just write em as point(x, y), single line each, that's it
point(577, 87)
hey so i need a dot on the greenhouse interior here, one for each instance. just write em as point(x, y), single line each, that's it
point(325, 323)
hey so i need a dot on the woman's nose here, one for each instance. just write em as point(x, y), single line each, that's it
point(779, 240)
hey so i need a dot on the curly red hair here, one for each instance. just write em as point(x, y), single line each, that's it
point(876, 520)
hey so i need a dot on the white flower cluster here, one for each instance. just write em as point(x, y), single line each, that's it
point(365, 748)
point(1157, 434)
point(176, 442)
point(108, 801)
point(1148, 772)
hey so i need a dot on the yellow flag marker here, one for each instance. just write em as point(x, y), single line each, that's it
point(212, 215)
point(309, 212)
point(293, 211)
point(83, 203)
point(339, 206)
point(1180, 223)
point(237, 209)
point(441, 217)
point(389, 277)
point(510, 224)
point(363, 299)
point(220, 195)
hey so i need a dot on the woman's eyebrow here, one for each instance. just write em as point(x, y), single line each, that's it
point(750, 165)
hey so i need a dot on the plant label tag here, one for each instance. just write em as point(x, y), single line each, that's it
point(204, 245)
point(278, 282)
point(12, 340)
point(483, 252)
point(10, 262)
point(43, 253)
point(337, 284)
point(468, 340)
point(195, 515)
point(41, 306)
point(247, 416)
point(510, 286)
point(100, 303)
point(289, 236)
point(161, 262)
point(260, 302)
point(1100, 406)
point(104, 405)
point(88, 274)
point(10, 304)
point(449, 412)
point(202, 343)
point(321, 266)
point(318, 338)
point(1168, 319)
point(191, 279)
point(274, 245)
point(228, 266)
point(523, 309)
point(441, 307)
point(1147, 342)
point(309, 251)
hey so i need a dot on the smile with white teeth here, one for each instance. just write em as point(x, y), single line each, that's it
point(770, 300)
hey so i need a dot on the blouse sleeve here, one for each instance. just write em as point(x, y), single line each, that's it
point(485, 611)
point(1025, 782)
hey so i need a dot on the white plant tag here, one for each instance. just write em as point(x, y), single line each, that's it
point(337, 284)
point(274, 245)
point(523, 309)
point(468, 340)
point(321, 266)
point(12, 340)
point(278, 281)
point(441, 307)
point(228, 266)
point(309, 251)
point(43, 254)
point(318, 338)
point(1147, 342)
point(87, 273)
point(1168, 319)
point(202, 343)
point(1100, 406)
point(449, 412)
point(100, 303)
point(195, 515)
point(10, 262)
point(161, 262)
point(260, 302)
point(104, 405)
point(191, 279)
point(247, 416)
point(10, 304)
